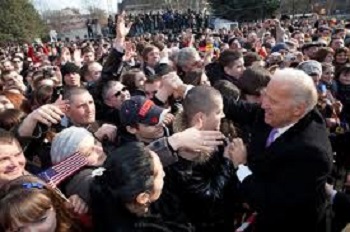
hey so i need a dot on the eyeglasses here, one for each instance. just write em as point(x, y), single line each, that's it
point(117, 94)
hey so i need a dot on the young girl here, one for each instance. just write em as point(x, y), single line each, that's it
point(27, 204)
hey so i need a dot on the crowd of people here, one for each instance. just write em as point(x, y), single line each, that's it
point(229, 130)
point(167, 21)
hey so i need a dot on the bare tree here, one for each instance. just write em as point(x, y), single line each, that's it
point(96, 12)
point(55, 19)
point(295, 6)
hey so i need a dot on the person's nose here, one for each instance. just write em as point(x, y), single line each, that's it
point(89, 109)
point(13, 162)
point(264, 103)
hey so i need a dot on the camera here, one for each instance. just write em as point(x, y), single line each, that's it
point(58, 90)
point(49, 71)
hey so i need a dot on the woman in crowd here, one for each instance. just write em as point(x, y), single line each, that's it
point(343, 91)
point(196, 77)
point(325, 55)
point(11, 118)
point(340, 58)
point(134, 80)
point(66, 144)
point(122, 195)
point(28, 204)
point(327, 78)
point(10, 100)
point(45, 77)
point(41, 96)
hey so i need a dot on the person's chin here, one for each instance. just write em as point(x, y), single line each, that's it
point(267, 118)
point(90, 120)
point(158, 135)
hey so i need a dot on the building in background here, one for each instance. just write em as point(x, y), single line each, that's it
point(141, 6)
point(70, 23)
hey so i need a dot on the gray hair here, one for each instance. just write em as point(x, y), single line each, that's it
point(106, 87)
point(301, 86)
point(185, 55)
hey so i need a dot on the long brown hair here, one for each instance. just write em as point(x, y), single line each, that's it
point(11, 118)
point(28, 204)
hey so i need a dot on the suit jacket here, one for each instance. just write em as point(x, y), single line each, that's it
point(341, 210)
point(287, 187)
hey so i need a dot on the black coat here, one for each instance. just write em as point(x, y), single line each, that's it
point(203, 194)
point(216, 73)
point(107, 114)
point(113, 67)
point(287, 187)
point(114, 218)
point(341, 209)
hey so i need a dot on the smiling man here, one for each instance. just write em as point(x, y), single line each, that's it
point(289, 155)
point(12, 160)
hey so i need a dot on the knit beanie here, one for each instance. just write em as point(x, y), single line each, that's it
point(67, 142)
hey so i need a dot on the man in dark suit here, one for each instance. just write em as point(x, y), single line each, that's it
point(289, 155)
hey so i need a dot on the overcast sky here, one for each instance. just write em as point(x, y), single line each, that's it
point(43, 5)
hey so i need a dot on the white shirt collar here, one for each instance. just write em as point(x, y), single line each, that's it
point(282, 130)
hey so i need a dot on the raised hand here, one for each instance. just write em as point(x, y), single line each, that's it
point(47, 114)
point(122, 29)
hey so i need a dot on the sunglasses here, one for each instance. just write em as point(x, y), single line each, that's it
point(117, 94)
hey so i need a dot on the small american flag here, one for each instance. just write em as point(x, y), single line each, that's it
point(56, 174)
point(247, 224)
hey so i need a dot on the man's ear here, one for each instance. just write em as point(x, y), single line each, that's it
point(67, 111)
point(299, 110)
point(197, 120)
point(226, 69)
point(131, 130)
point(143, 198)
